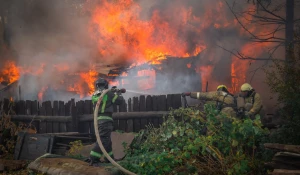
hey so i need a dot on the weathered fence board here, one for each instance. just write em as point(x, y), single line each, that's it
point(62, 125)
point(55, 125)
point(43, 124)
point(71, 116)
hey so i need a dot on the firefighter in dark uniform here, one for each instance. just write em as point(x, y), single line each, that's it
point(105, 121)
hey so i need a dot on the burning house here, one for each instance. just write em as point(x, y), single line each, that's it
point(146, 47)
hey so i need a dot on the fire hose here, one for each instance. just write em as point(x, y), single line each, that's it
point(99, 140)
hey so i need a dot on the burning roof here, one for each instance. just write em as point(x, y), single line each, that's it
point(122, 40)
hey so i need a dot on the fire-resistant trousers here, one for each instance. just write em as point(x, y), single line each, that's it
point(105, 128)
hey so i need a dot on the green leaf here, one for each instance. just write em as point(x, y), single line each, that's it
point(234, 143)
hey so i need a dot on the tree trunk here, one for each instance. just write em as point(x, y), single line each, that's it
point(289, 29)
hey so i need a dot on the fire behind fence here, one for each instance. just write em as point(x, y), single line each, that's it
point(58, 116)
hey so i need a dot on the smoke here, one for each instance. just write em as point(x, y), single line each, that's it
point(57, 39)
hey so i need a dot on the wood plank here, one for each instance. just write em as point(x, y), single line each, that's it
point(283, 147)
point(129, 126)
point(162, 103)
point(87, 107)
point(22, 107)
point(169, 101)
point(55, 125)
point(135, 104)
point(137, 124)
point(49, 113)
point(28, 107)
point(43, 124)
point(155, 122)
point(116, 125)
point(61, 108)
point(67, 108)
point(84, 127)
point(176, 101)
point(148, 103)
point(129, 105)
point(61, 112)
point(122, 125)
point(144, 122)
point(115, 107)
point(283, 172)
point(34, 108)
point(89, 117)
point(92, 128)
point(75, 121)
point(79, 107)
point(123, 107)
point(91, 107)
point(155, 103)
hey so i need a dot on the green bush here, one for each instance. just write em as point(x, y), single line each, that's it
point(200, 142)
point(284, 80)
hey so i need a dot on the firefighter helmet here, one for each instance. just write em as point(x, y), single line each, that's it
point(246, 87)
point(101, 83)
point(221, 87)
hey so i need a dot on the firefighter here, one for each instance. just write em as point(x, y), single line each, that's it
point(224, 101)
point(105, 121)
point(252, 100)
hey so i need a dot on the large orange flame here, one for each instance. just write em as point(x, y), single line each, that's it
point(10, 72)
point(119, 29)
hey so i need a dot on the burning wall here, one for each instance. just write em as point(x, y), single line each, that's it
point(54, 40)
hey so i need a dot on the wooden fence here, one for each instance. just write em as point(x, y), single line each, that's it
point(58, 116)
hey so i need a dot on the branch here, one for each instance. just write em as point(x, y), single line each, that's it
point(271, 13)
point(266, 62)
point(242, 57)
point(239, 20)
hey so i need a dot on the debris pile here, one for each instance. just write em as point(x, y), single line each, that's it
point(286, 160)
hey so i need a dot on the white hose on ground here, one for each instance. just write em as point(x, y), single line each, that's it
point(98, 136)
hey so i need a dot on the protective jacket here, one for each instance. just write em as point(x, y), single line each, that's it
point(255, 99)
point(223, 101)
point(106, 105)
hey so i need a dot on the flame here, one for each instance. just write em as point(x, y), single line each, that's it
point(85, 85)
point(116, 24)
point(10, 72)
point(41, 93)
point(205, 75)
point(123, 35)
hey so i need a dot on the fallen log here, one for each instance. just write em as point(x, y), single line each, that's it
point(282, 147)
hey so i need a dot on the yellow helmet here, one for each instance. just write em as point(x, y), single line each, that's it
point(221, 86)
point(246, 87)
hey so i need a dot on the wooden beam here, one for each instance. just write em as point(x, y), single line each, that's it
point(89, 117)
point(129, 115)
point(41, 118)
point(282, 147)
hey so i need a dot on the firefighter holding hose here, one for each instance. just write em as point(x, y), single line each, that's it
point(105, 121)
point(224, 101)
